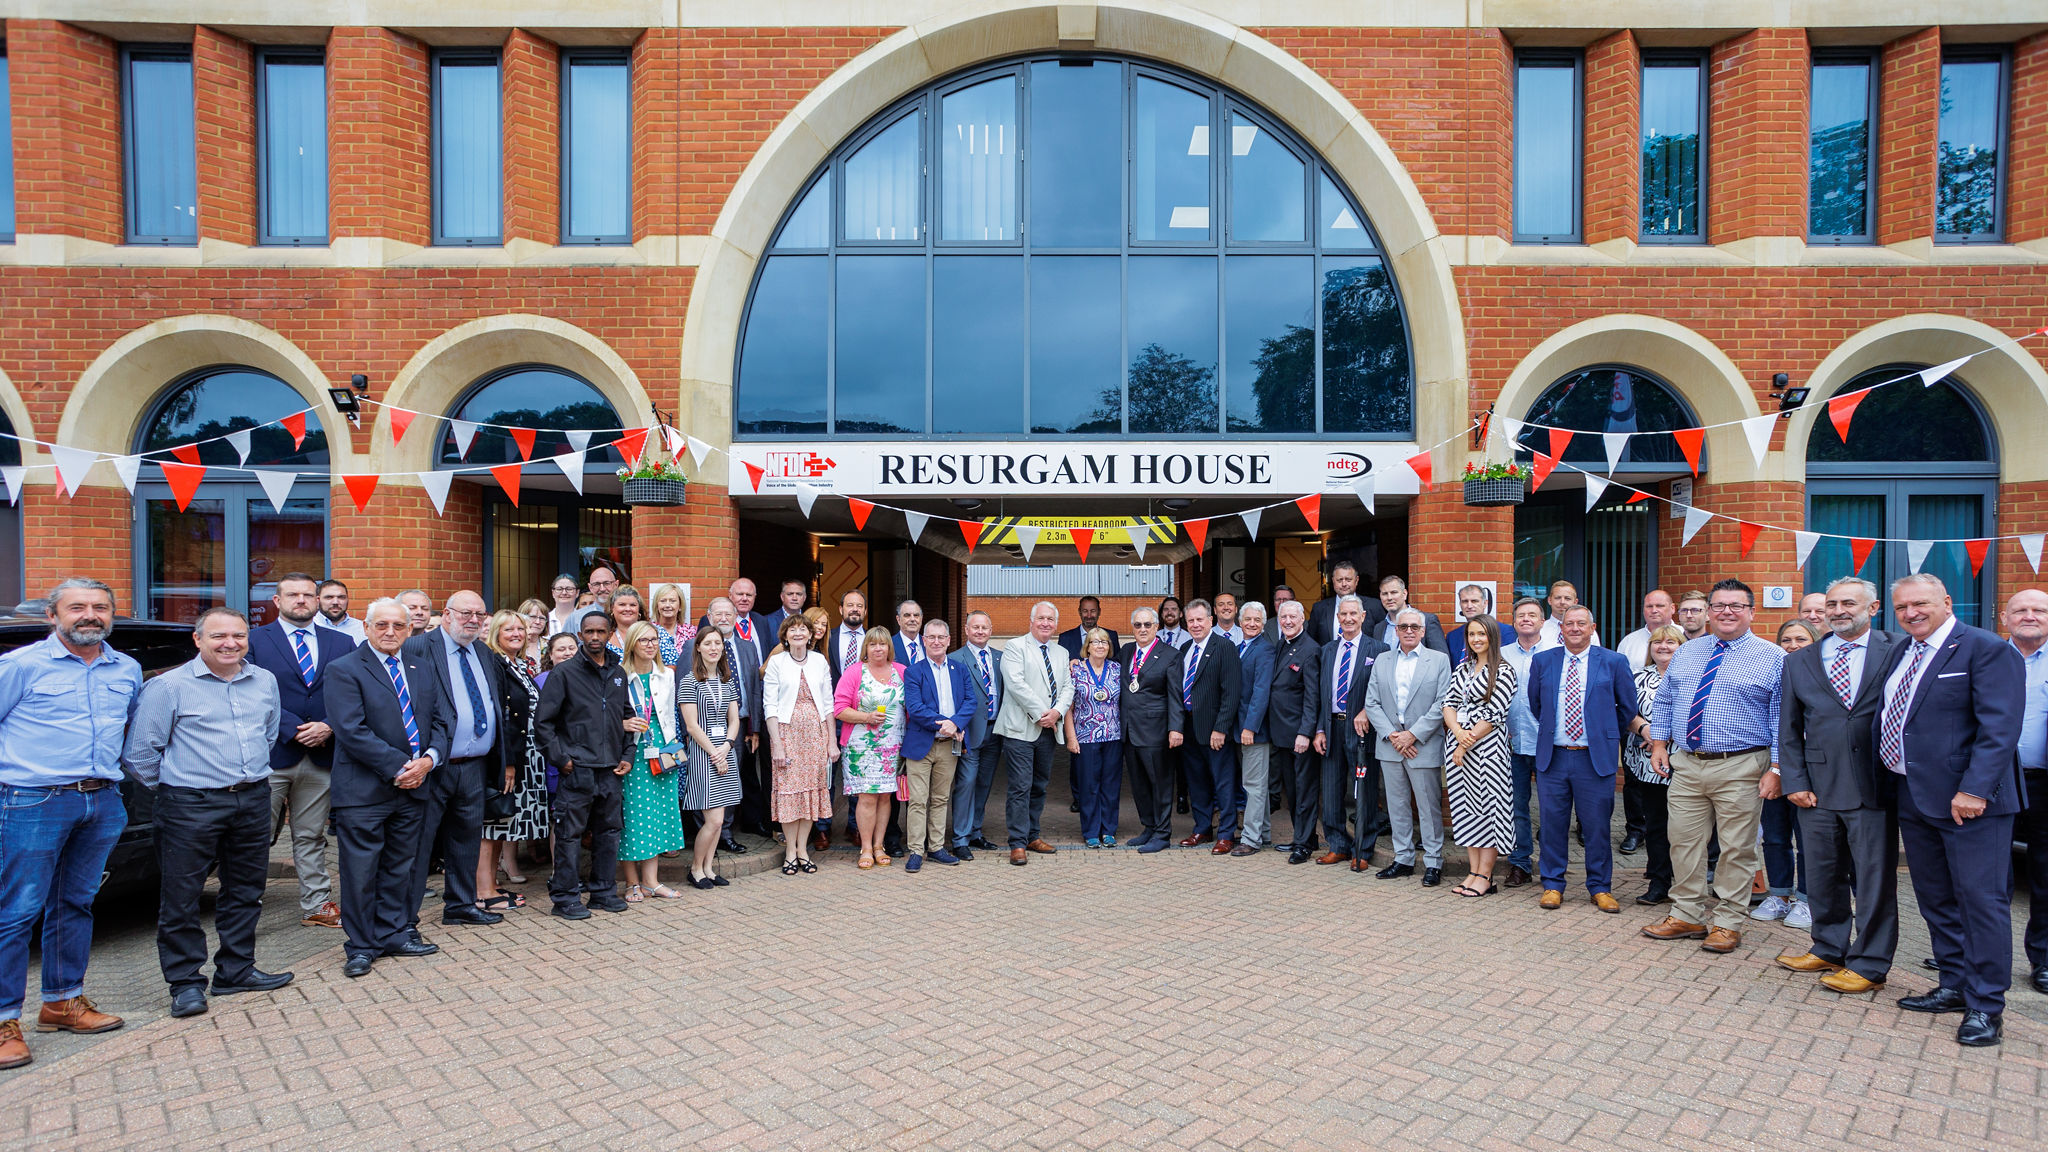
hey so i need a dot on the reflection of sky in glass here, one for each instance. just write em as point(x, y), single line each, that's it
point(810, 226)
point(782, 364)
point(6, 157)
point(1671, 100)
point(1170, 165)
point(1969, 104)
point(1544, 162)
point(881, 344)
point(882, 185)
point(978, 162)
point(1076, 155)
point(1267, 186)
point(1841, 95)
point(1076, 338)
point(234, 399)
point(1269, 310)
point(978, 344)
point(599, 161)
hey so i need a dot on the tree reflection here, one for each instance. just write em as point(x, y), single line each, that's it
point(1365, 356)
point(1168, 393)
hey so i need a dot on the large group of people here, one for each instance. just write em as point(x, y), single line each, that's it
point(605, 732)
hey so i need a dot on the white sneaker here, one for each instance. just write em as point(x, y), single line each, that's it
point(1801, 916)
point(1773, 908)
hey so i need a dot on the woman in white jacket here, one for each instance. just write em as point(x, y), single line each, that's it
point(796, 695)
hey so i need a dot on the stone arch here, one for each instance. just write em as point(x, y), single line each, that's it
point(17, 415)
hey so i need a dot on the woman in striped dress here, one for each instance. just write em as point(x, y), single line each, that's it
point(710, 703)
point(1479, 768)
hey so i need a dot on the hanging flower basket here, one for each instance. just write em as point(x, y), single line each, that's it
point(653, 482)
point(1495, 485)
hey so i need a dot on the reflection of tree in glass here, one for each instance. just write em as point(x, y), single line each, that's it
point(268, 444)
point(494, 445)
point(1840, 179)
point(1365, 354)
point(1671, 184)
point(1169, 393)
point(1284, 389)
point(1966, 190)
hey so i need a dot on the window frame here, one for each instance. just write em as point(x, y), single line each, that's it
point(1552, 57)
point(264, 236)
point(603, 57)
point(1871, 58)
point(7, 234)
point(1979, 54)
point(436, 91)
point(1665, 57)
point(594, 463)
point(129, 54)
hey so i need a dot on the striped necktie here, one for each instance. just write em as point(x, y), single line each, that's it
point(1343, 677)
point(1696, 716)
point(1574, 701)
point(412, 728)
point(988, 684)
point(1892, 746)
point(1838, 674)
point(1052, 682)
point(305, 657)
point(1187, 682)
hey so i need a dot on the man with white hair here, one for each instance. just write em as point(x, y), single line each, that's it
point(1038, 688)
point(472, 679)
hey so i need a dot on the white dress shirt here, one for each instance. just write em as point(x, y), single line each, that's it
point(1897, 683)
point(348, 626)
point(1551, 637)
point(1859, 649)
point(1405, 664)
point(943, 679)
point(1337, 681)
point(1565, 682)
point(1635, 647)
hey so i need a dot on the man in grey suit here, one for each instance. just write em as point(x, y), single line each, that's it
point(1405, 702)
point(1848, 808)
point(984, 747)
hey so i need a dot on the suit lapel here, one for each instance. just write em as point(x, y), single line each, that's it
point(381, 672)
point(1935, 664)
point(1874, 664)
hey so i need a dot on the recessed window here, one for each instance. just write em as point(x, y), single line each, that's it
point(291, 144)
point(162, 159)
point(530, 396)
point(597, 149)
point(1674, 137)
point(469, 171)
point(6, 153)
point(1547, 147)
point(1840, 148)
point(1969, 199)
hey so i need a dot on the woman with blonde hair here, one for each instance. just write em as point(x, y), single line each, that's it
point(671, 622)
point(869, 707)
point(796, 698)
point(709, 701)
point(627, 609)
point(653, 823)
point(525, 775)
point(536, 614)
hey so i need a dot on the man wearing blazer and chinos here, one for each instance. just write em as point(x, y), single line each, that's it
point(1584, 698)
point(1205, 681)
point(931, 710)
point(296, 651)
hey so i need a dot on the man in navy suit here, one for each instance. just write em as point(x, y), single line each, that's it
point(982, 751)
point(1255, 654)
point(1351, 770)
point(1584, 698)
point(391, 728)
point(794, 594)
point(908, 641)
point(472, 680)
point(297, 652)
point(1090, 609)
point(1201, 717)
point(1949, 727)
point(938, 709)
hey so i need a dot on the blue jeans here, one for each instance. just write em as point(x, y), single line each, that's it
point(1524, 853)
point(1784, 864)
point(53, 848)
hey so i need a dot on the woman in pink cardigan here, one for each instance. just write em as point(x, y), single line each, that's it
point(869, 707)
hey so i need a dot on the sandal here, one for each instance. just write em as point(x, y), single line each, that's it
point(867, 860)
point(1466, 889)
point(634, 895)
point(664, 892)
point(882, 857)
point(498, 903)
point(517, 900)
point(805, 866)
point(789, 868)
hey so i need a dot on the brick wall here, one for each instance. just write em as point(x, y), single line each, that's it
point(2026, 167)
point(67, 131)
point(1908, 118)
point(696, 543)
point(1757, 136)
point(2021, 508)
point(533, 143)
point(1614, 119)
point(224, 95)
point(1448, 542)
point(397, 542)
point(378, 135)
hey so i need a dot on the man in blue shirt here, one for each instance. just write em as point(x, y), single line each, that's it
point(65, 704)
point(2026, 621)
point(1528, 641)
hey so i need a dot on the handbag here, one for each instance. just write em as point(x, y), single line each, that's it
point(499, 806)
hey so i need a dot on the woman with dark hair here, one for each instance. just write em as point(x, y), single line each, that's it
point(1478, 768)
point(710, 703)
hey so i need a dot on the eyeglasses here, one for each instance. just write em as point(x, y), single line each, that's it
point(461, 614)
point(1728, 607)
point(1407, 627)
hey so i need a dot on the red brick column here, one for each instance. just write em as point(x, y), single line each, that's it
point(2026, 164)
point(657, 118)
point(67, 132)
point(1908, 118)
point(533, 141)
point(379, 181)
point(224, 89)
point(1756, 136)
point(2022, 509)
point(86, 535)
point(1613, 193)
point(698, 543)
point(1716, 550)
point(1449, 542)
point(398, 542)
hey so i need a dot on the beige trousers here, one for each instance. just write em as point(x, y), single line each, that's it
point(1709, 797)
point(931, 790)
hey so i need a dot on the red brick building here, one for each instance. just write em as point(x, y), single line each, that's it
point(958, 251)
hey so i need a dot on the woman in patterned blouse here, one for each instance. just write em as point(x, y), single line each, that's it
point(1095, 738)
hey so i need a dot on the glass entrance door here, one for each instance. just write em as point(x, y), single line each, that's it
point(1609, 555)
point(1917, 509)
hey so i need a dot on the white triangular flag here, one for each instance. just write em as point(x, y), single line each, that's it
point(240, 439)
point(1916, 553)
point(571, 464)
point(1511, 430)
point(1695, 519)
point(1140, 535)
point(276, 485)
point(916, 520)
point(2031, 545)
point(1362, 488)
point(72, 465)
point(579, 438)
point(699, 449)
point(1595, 488)
point(673, 439)
point(806, 495)
point(14, 474)
point(1804, 542)
point(465, 431)
point(1027, 539)
point(1758, 429)
point(1251, 516)
point(436, 483)
point(1616, 443)
point(1931, 376)
point(128, 468)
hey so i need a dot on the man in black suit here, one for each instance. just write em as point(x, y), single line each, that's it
point(1148, 681)
point(842, 646)
point(472, 680)
point(1291, 706)
point(1201, 717)
point(1322, 619)
point(1090, 609)
point(793, 597)
point(581, 726)
point(1393, 598)
point(1949, 729)
point(297, 652)
point(1847, 805)
point(391, 728)
point(1351, 769)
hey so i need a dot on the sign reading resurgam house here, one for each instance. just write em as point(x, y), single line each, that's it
point(1164, 468)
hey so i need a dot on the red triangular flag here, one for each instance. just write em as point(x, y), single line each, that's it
point(296, 425)
point(1977, 549)
point(1198, 531)
point(1559, 437)
point(630, 444)
point(1638, 498)
point(508, 479)
point(1689, 440)
point(1749, 534)
point(360, 488)
point(754, 474)
point(189, 453)
point(1859, 551)
point(970, 530)
point(1544, 465)
point(400, 421)
point(1420, 463)
point(524, 438)
point(1842, 408)
point(184, 481)
point(1312, 509)
point(861, 510)
point(1083, 537)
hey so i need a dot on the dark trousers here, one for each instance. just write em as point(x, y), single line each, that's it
point(1633, 816)
point(1524, 854)
point(2035, 823)
point(1303, 774)
point(451, 827)
point(1029, 765)
point(587, 801)
point(1571, 784)
point(751, 813)
point(377, 843)
point(1151, 790)
point(1784, 855)
point(972, 780)
point(1653, 801)
point(1345, 792)
point(197, 828)
point(1212, 786)
point(1962, 876)
point(1853, 866)
point(1099, 771)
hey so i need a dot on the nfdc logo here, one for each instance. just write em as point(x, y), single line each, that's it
point(798, 465)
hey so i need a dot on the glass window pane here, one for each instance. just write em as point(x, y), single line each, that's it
point(978, 162)
point(1839, 517)
point(782, 357)
point(1172, 305)
point(1268, 186)
point(1546, 149)
point(294, 148)
point(883, 186)
point(1365, 354)
point(6, 154)
point(469, 176)
point(599, 147)
point(1539, 548)
point(1838, 184)
point(1170, 164)
point(1966, 183)
point(810, 226)
point(1610, 400)
point(294, 540)
point(188, 559)
point(1671, 149)
point(1902, 423)
point(1077, 372)
point(1076, 155)
point(532, 398)
point(163, 176)
point(1341, 225)
point(1948, 518)
point(1269, 341)
point(978, 344)
point(229, 401)
point(880, 361)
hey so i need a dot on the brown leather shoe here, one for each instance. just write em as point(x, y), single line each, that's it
point(1552, 900)
point(1808, 962)
point(1223, 847)
point(1332, 858)
point(1197, 838)
point(75, 1015)
point(820, 842)
point(1672, 928)
point(1516, 877)
point(1362, 864)
point(1019, 857)
point(14, 1051)
point(1041, 847)
point(329, 916)
point(1606, 902)
point(1841, 980)
point(1721, 940)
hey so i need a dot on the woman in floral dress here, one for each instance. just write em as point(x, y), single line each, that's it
point(505, 636)
point(653, 822)
point(869, 707)
point(1095, 739)
point(796, 694)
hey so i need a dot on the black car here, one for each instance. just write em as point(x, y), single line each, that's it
point(158, 646)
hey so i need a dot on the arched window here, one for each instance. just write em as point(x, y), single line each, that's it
point(211, 403)
point(1612, 398)
point(531, 396)
point(1074, 246)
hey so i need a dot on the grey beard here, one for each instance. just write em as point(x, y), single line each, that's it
point(84, 635)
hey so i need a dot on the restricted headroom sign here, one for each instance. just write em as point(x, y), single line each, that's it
point(1053, 529)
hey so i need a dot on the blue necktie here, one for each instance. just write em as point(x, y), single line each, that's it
point(305, 657)
point(412, 728)
point(480, 720)
point(1187, 682)
point(1696, 717)
point(1052, 684)
point(988, 684)
point(1343, 677)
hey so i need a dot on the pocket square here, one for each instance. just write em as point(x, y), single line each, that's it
point(1947, 675)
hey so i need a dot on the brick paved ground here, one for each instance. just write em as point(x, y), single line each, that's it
point(1091, 1000)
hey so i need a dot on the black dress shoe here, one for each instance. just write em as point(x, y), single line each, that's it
point(571, 911)
point(1658, 894)
point(732, 846)
point(256, 981)
point(1431, 877)
point(963, 852)
point(983, 844)
point(2040, 979)
point(1298, 856)
point(412, 948)
point(1931, 964)
point(720, 882)
point(610, 904)
point(189, 1001)
point(1938, 1001)
point(1181, 806)
point(462, 915)
point(1395, 870)
point(357, 966)
point(1631, 844)
point(1980, 1029)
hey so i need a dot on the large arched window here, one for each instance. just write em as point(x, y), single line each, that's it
point(531, 396)
point(229, 544)
point(1612, 398)
point(1074, 246)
